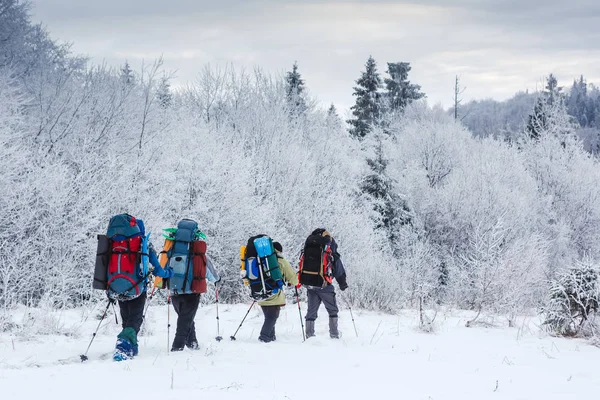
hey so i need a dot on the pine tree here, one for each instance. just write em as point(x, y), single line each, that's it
point(294, 90)
point(127, 76)
point(333, 119)
point(332, 111)
point(538, 120)
point(550, 116)
point(163, 93)
point(552, 89)
point(400, 92)
point(574, 301)
point(577, 102)
point(367, 109)
point(391, 209)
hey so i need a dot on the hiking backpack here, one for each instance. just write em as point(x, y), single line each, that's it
point(186, 254)
point(260, 269)
point(316, 262)
point(121, 265)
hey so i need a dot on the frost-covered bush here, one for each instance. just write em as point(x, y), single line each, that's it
point(476, 207)
point(573, 301)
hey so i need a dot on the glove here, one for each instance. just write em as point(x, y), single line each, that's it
point(343, 286)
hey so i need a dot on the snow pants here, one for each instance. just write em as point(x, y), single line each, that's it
point(186, 306)
point(132, 312)
point(267, 333)
point(318, 296)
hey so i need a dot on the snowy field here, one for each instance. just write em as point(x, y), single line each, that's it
point(390, 359)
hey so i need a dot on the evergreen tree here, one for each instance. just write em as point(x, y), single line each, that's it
point(127, 76)
point(577, 102)
point(391, 209)
point(550, 116)
point(574, 301)
point(597, 112)
point(538, 120)
point(332, 111)
point(163, 93)
point(367, 109)
point(294, 90)
point(552, 89)
point(400, 92)
point(333, 119)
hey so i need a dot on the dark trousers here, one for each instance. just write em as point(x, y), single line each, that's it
point(185, 306)
point(267, 333)
point(318, 296)
point(132, 312)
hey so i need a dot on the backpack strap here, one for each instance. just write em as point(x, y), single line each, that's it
point(187, 267)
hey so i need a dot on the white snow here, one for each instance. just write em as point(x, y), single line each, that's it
point(391, 358)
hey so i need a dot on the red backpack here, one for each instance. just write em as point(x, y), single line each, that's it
point(119, 268)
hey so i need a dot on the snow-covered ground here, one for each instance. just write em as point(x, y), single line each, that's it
point(390, 359)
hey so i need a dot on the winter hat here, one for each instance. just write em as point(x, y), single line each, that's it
point(322, 231)
point(278, 246)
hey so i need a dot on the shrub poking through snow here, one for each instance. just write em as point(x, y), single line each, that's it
point(573, 304)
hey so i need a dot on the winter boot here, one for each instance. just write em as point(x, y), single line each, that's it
point(334, 333)
point(193, 345)
point(127, 346)
point(191, 342)
point(310, 328)
point(178, 344)
point(123, 350)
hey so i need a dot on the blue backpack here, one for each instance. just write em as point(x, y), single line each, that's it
point(187, 257)
point(260, 268)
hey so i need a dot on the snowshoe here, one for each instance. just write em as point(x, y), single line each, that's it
point(124, 350)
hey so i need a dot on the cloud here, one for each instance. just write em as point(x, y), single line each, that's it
point(498, 47)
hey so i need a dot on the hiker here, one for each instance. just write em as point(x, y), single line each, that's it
point(185, 252)
point(320, 263)
point(186, 306)
point(272, 306)
point(122, 270)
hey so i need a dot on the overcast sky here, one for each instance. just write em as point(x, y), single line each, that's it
point(498, 47)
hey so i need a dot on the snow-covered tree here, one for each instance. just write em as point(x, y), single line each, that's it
point(367, 110)
point(399, 91)
point(573, 303)
point(295, 90)
point(163, 92)
point(127, 75)
point(549, 116)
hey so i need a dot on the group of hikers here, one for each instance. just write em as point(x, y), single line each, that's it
point(127, 265)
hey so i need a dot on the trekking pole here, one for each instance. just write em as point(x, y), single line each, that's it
point(115, 312)
point(233, 337)
point(168, 322)
point(352, 316)
point(300, 312)
point(148, 304)
point(84, 356)
point(219, 337)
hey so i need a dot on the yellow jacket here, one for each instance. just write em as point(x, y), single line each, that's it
point(289, 277)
